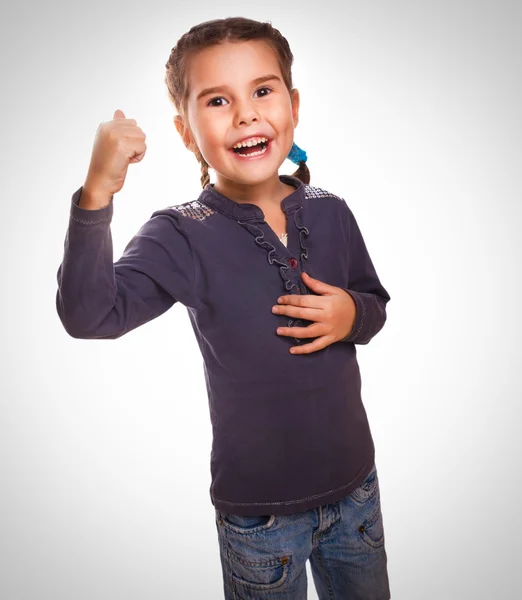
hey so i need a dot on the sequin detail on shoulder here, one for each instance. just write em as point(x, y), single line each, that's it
point(194, 210)
point(317, 192)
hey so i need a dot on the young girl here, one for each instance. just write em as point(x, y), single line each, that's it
point(279, 288)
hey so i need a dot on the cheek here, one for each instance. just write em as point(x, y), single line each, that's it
point(283, 117)
point(212, 130)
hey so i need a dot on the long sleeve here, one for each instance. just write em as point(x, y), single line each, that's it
point(97, 298)
point(364, 286)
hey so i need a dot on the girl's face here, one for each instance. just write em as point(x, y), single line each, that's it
point(236, 92)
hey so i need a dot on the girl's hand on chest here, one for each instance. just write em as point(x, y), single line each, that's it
point(332, 311)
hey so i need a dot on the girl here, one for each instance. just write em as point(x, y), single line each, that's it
point(279, 288)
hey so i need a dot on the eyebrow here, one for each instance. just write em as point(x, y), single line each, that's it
point(221, 88)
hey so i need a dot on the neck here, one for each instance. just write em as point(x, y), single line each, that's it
point(268, 193)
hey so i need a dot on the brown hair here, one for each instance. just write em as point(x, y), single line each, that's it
point(209, 33)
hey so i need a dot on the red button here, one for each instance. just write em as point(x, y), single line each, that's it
point(292, 262)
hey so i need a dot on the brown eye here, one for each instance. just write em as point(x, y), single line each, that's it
point(264, 88)
point(214, 99)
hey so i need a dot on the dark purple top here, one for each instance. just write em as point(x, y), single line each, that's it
point(290, 432)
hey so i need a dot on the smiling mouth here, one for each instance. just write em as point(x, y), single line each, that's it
point(251, 150)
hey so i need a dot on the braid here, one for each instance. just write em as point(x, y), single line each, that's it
point(205, 177)
point(302, 173)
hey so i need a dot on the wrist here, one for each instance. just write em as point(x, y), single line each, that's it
point(93, 198)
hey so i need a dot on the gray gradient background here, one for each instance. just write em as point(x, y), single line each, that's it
point(412, 112)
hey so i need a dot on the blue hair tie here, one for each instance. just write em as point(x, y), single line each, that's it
point(296, 155)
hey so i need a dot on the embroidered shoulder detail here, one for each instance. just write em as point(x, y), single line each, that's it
point(317, 192)
point(194, 209)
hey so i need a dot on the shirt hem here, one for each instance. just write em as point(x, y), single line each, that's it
point(294, 506)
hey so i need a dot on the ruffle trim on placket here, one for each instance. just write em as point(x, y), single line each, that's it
point(302, 231)
point(284, 264)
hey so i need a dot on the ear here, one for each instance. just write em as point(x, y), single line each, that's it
point(294, 96)
point(184, 132)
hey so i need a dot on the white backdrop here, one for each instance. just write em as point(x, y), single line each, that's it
point(410, 110)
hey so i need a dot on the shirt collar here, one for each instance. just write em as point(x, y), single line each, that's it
point(243, 210)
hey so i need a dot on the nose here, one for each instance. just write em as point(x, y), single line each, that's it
point(246, 113)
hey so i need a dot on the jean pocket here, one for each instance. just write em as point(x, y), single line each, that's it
point(368, 488)
point(252, 548)
point(255, 571)
point(369, 517)
point(245, 525)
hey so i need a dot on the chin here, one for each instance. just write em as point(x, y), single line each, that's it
point(255, 179)
point(249, 176)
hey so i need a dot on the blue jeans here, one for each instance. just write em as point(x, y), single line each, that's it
point(264, 557)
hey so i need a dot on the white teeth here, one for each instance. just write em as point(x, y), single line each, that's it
point(251, 142)
point(253, 153)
